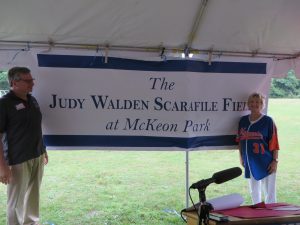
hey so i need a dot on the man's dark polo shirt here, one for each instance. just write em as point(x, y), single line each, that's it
point(20, 124)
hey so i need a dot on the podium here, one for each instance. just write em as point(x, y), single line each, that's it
point(192, 219)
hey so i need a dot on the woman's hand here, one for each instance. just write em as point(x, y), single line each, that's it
point(272, 167)
point(242, 162)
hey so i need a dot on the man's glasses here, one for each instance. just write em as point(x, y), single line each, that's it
point(28, 81)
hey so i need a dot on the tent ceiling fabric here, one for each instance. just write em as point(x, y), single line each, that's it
point(261, 28)
point(117, 22)
point(270, 26)
point(243, 25)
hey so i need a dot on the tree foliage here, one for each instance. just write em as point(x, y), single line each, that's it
point(3, 80)
point(288, 87)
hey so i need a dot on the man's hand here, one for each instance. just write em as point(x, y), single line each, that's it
point(5, 173)
point(46, 159)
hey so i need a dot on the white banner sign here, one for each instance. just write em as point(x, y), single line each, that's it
point(135, 104)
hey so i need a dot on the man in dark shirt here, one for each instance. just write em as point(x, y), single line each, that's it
point(22, 152)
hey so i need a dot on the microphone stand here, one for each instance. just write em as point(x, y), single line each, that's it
point(204, 207)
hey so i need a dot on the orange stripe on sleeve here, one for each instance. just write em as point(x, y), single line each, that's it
point(273, 143)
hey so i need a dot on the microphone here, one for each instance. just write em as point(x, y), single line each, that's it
point(226, 175)
point(218, 178)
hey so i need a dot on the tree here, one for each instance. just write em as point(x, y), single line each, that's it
point(288, 87)
point(3, 80)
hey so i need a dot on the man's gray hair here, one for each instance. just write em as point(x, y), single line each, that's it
point(14, 73)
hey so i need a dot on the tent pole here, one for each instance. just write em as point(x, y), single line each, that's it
point(195, 27)
point(187, 178)
point(26, 46)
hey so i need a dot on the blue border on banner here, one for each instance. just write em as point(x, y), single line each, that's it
point(137, 141)
point(97, 62)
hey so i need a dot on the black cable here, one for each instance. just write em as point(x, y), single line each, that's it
point(184, 210)
point(193, 203)
point(182, 215)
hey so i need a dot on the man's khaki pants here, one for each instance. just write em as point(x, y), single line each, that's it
point(23, 192)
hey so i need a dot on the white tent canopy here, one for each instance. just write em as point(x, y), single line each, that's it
point(268, 28)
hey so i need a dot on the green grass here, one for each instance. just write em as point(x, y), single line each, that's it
point(118, 187)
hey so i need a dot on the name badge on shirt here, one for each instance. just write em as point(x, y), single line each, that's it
point(20, 106)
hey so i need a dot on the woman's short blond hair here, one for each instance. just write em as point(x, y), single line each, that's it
point(261, 97)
